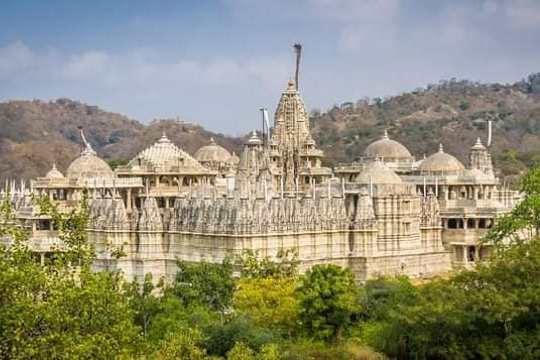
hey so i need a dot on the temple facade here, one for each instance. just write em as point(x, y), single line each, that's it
point(385, 215)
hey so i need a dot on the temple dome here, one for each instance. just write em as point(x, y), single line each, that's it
point(167, 157)
point(387, 148)
point(54, 173)
point(441, 162)
point(377, 172)
point(212, 153)
point(89, 165)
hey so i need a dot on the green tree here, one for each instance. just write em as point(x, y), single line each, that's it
point(204, 283)
point(61, 309)
point(268, 302)
point(221, 338)
point(183, 344)
point(523, 222)
point(493, 312)
point(241, 351)
point(328, 300)
point(143, 301)
point(285, 264)
point(173, 316)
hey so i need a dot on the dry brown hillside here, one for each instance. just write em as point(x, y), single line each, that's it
point(34, 134)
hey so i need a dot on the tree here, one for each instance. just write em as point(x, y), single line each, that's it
point(378, 296)
point(492, 312)
point(61, 309)
point(269, 302)
point(523, 222)
point(328, 301)
point(173, 316)
point(284, 265)
point(204, 283)
point(221, 338)
point(143, 302)
point(184, 344)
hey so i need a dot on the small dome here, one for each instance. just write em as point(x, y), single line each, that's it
point(212, 153)
point(387, 148)
point(377, 172)
point(441, 162)
point(89, 165)
point(54, 173)
point(167, 157)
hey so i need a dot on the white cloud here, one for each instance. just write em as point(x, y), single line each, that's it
point(14, 58)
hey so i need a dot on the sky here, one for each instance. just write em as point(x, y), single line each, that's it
point(216, 62)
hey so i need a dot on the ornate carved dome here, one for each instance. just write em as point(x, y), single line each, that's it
point(166, 156)
point(212, 153)
point(54, 173)
point(441, 163)
point(377, 172)
point(88, 164)
point(387, 148)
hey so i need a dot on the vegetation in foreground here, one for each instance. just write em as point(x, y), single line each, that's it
point(62, 309)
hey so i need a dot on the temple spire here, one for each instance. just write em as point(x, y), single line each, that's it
point(88, 150)
point(298, 52)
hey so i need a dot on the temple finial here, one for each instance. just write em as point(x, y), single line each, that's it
point(88, 150)
point(385, 136)
point(441, 148)
point(164, 138)
point(298, 51)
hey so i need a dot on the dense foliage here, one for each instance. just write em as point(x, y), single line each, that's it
point(254, 307)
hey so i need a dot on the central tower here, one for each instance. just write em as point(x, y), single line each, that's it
point(292, 148)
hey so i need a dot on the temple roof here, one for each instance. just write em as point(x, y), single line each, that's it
point(441, 162)
point(88, 164)
point(387, 148)
point(166, 157)
point(377, 172)
point(212, 153)
point(54, 173)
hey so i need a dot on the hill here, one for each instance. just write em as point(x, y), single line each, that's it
point(452, 112)
point(34, 134)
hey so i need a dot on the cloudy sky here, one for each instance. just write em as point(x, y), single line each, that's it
point(217, 62)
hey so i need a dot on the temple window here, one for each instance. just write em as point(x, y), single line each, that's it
point(43, 224)
point(471, 224)
point(471, 253)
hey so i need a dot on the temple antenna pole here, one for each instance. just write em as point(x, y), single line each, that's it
point(298, 51)
point(489, 133)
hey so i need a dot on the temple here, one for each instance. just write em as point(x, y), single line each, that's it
point(388, 214)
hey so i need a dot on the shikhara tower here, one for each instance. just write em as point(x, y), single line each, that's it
point(292, 148)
